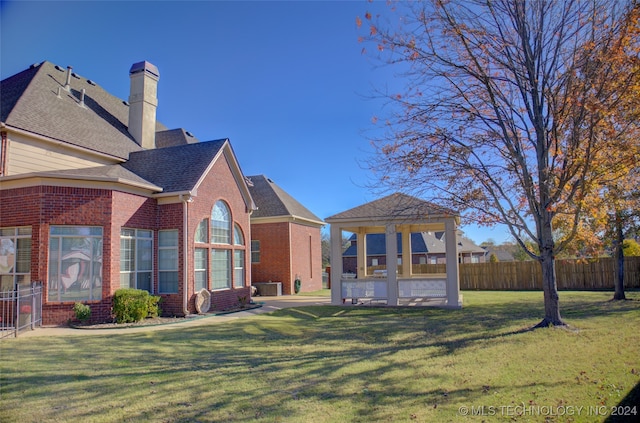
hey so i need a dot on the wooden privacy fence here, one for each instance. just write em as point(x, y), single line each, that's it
point(570, 274)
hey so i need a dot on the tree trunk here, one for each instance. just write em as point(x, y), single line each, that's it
point(619, 292)
point(550, 289)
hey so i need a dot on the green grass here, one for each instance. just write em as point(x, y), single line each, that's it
point(340, 364)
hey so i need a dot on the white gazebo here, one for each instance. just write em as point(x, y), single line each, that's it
point(398, 281)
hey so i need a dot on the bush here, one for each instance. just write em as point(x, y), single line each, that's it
point(82, 311)
point(132, 305)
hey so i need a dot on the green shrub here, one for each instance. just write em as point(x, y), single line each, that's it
point(82, 311)
point(133, 305)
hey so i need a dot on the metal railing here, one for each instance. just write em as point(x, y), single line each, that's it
point(20, 309)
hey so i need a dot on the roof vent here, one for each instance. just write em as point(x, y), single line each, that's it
point(75, 75)
point(90, 82)
point(125, 102)
point(82, 94)
point(35, 65)
point(59, 68)
point(189, 134)
point(59, 92)
point(67, 85)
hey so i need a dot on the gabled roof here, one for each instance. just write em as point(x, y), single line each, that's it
point(397, 206)
point(175, 169)
point(30, 102)
point(273, 202)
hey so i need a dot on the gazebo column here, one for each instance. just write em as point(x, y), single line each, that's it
point(391, 243)
point(406, 252)
point(453, 280)
point(361, 254)
point(336, 264)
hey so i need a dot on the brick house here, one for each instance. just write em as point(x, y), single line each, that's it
point(285, 239)
point(96, 195)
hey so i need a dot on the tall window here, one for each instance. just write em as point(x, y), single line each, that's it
point(238, 258)
point(75, 263)
point(136, 259)
point(220, 269)
point(168, 261)
point(238, 268)
point(220, 223)
point(201, 232)
point(255, 251)
point(200, 268)
point(15, 257)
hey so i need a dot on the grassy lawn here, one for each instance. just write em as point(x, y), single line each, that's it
point(340, 364)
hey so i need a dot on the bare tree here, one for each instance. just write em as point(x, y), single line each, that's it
point(501, 114)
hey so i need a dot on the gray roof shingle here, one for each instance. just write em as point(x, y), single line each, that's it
point(30, 102)
point(175, 169)
point(396, 205)
point(273, 201)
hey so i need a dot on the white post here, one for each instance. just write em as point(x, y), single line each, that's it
point(453, 280)
point(336, 264)
point(407, 254)
point(391, 242)
point(361, 254)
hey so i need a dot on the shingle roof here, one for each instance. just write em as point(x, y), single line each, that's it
point(422, 242)
point(175, 169)
point(273, 201)
point(174, 137)
point(30, 102)
point(115, 173)
point(396, 205)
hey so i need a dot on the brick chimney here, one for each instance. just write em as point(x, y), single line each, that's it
point(143, 103)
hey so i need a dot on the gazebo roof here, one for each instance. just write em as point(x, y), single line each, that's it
point(394, 207)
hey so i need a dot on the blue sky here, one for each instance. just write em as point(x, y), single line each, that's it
point(285, 81)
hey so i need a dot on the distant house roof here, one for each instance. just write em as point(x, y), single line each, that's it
point(274, 203)
point(421, 243)
point(398, 206)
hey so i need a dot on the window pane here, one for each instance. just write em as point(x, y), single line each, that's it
point(127, 280)
point(200, 267)
point(220, 224)
point(201, 232)
point(23, 261)
point(168, 259)
point(75, 264)
point(168, 283)
point(220, 269)
point(255, 251)
point(145, 255)
point(238, 268)
point(144, 281)
point(238, 239)
point(168, 238)
point(127, 254)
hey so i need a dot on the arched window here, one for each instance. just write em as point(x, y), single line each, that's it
point(220, 223)
point(238, 238)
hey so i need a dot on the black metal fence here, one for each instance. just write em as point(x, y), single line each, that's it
point(20, 309)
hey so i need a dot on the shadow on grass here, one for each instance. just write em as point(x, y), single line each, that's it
point(627, 410)
point(372, 359)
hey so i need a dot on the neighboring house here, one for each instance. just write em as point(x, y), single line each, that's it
point(426, 248)
point(502, 252)
point(96, 195)
point(285, 239)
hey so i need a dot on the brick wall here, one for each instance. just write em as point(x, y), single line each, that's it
point(288, 250)
point(43, 206)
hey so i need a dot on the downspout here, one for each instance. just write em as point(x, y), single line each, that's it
point(185, 256)
point(3, 153)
